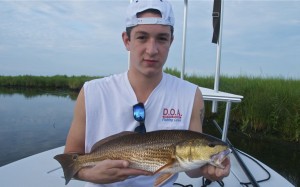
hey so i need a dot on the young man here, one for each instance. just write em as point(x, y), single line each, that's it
point(104, 106)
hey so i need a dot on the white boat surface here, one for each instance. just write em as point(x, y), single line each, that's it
point(41, 170)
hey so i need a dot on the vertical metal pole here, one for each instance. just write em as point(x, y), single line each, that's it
point(184, 38)
point(218, 63)
point(226, 121)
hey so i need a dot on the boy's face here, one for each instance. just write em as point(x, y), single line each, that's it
point(149, 47)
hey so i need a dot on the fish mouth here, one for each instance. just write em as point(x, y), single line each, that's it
point(218, 158)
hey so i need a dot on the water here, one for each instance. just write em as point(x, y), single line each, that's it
point(279, 155)
point(33, 121)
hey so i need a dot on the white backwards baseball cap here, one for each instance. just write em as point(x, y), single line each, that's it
point(138, 6)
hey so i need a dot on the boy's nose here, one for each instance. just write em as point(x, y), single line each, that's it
point(152, 47)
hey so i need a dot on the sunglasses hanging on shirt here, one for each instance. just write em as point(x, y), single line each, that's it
point(139, 115)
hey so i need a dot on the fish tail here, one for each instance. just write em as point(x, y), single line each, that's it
point(69, 164)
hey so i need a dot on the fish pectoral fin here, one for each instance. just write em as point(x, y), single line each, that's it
point(161, 179)
point(166, 166)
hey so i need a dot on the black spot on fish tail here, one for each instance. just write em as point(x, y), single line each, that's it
point(69, 165)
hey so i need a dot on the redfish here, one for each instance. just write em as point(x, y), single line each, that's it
point(164, 151)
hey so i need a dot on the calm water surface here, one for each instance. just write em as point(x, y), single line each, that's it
point(32, 123)
point(36, 121)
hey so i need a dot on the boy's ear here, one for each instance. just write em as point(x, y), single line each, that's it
point(126, 40)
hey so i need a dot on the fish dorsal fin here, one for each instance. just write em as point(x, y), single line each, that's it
point(109, 138)
point(161, 179)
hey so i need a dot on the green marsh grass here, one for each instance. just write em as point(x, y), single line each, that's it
point(270, 107)
point(57, 81)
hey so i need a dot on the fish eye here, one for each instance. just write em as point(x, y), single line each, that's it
point(211, 145)
point(74, 157)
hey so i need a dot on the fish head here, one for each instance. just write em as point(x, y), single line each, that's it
point(195, 153)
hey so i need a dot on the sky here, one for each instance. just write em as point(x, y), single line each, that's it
point(83, 37)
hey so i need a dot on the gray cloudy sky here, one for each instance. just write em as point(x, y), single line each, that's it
point(77, 37)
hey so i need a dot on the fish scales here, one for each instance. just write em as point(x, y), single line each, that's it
point(158, 151)
point(140, 154)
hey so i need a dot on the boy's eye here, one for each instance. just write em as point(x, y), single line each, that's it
point(141, 37)
point(163, 38)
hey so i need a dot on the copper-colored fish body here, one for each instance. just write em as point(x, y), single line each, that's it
point(165, 151)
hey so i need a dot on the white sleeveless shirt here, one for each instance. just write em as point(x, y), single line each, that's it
point(109, 102)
